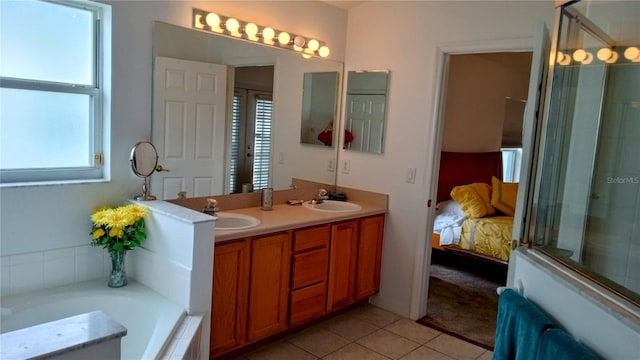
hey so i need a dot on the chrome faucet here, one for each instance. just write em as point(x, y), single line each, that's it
point(320, 197)
point(211, 208)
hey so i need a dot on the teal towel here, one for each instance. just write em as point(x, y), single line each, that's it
point(556, 344)
point(519, 327)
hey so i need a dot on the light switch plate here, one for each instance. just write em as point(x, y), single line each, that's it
point(346, 166)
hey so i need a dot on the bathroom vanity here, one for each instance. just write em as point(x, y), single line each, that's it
point(297, 266)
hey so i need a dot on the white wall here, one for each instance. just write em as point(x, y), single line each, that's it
point(36, 219)
point(404, 37)
point(607, 325)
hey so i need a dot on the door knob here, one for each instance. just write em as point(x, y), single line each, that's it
point(161, 168)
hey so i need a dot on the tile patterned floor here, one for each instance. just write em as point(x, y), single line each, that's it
point(369, 333)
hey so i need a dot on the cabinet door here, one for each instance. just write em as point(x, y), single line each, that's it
point(342, 264)
point(229, 300)
point(369, 256)
point(269, 285)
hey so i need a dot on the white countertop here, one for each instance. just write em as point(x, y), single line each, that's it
point(286, 217)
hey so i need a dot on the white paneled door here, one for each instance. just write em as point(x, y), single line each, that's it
point(365, 120)
point(188, 127)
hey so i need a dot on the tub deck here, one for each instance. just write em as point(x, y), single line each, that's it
point(150, 318)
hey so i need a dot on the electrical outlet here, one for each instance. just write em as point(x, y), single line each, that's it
point(346, 166)
point(332, 166)
point(281, 158)
point(411, 176)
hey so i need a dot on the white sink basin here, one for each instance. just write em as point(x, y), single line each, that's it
point(332, 206)
point(232, 221)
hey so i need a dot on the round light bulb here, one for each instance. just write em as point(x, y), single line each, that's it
point(563, 59)
point(284, 38)
point(323, 51)
point(251, 30)
point(299, 41)
point(604, 54)
point(268, 34)
point(632, 53)
point(313, 45)
point(579, 55)
point(213, 20)
point(607, 55)
point(232, 25)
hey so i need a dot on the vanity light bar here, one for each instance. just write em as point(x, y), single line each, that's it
point(604, 55)
point(224, 25)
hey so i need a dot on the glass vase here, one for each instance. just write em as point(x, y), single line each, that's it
point(118, 277)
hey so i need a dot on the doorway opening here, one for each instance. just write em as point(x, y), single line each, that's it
point(250, 130)
point(483, 109)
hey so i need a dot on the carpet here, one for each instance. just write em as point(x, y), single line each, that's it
point(462, 298)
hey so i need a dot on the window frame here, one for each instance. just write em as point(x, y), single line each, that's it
point(99, 114)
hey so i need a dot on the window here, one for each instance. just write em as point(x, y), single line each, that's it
point(511, 160)
point(52, 91)
point(262, 142)
point(250, 140)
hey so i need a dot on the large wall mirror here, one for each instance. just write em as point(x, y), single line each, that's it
point(227, 115)
point(366, 110)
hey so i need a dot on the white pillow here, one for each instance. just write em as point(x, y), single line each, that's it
point(448, 213)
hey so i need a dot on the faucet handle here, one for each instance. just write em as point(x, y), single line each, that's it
point(322, 192)
point(211, 207)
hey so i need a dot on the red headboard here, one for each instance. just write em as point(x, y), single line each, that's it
point(466, 168)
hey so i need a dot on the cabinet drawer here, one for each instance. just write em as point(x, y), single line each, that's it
point(307, 303)
point(309, 267)
point(311, 238)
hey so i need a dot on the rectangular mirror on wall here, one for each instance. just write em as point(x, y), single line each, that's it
point(319, 108)
point(365, 110)
point(227, 114)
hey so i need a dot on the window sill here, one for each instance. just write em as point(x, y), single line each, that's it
point(52, 183)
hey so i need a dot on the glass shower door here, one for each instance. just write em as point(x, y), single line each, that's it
point(587, 211)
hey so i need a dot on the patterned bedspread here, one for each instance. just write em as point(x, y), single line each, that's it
point(489, 236)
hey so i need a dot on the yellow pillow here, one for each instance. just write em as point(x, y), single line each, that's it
point(504, 196)
point(474, 199)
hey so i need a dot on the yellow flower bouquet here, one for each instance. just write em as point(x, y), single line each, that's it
point(118, 229)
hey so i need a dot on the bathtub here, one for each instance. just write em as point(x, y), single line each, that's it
point(150, 318)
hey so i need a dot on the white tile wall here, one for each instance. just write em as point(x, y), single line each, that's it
point(44, 269)
point(185, 344)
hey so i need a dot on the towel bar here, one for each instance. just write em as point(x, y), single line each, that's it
point(517, 288)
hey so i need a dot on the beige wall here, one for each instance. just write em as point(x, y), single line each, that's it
point(475, 100)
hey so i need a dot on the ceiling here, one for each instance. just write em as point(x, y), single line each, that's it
point(343, 4)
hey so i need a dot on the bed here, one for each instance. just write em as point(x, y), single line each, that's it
point(474, 213)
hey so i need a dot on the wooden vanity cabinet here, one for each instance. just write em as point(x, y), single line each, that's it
point(370, 234)
point(310, 260)
point(229, 299)
point(269, 286)
point(250, 290)
point(342, 264)
point(265, 284)
point(355, 260)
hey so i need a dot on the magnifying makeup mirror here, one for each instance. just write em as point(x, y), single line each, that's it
point(144, 160)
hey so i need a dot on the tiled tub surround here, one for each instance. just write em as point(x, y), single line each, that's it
point(149, 319)
point(175, 261)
